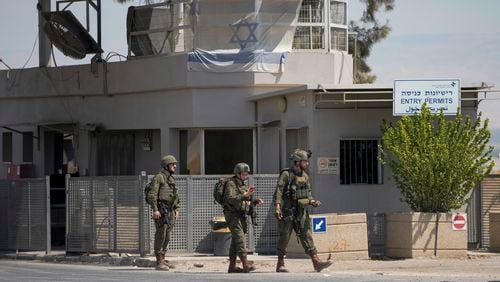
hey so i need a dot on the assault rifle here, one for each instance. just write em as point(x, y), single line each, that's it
point(253, 213)
point(166, 213)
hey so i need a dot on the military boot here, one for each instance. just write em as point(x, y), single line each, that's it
point(246, 266)
point(232, 266)
point(318, 264)
point(280, 266)
point(169, 264)
point(160, 263)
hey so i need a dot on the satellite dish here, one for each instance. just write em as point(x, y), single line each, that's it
point(68, 35)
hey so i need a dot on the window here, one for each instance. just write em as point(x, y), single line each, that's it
point(310, 30)
point(295, 139)
point(214, 151)
point(338, 12)
point(321, 21)
point(7, 147)
point(189, 151)
point(338, 38)
point(225, 148)
point(338, 25)
point(358, 162)
point(27, 147)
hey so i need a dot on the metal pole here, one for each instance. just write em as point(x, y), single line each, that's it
point(189, 194)
point(68, 206)
point(99, 23)
point(115, 216)
point(142, 242)
point(87, 14)
point(48, 223)
point(44, 44)
point(91, 213)
point(29, 210)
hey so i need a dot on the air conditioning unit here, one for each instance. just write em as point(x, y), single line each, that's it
point(17, 171)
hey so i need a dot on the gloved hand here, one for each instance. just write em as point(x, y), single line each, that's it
point(315, 203)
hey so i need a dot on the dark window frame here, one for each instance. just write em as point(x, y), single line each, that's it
point(219, 162)
point(7, 148)
point(359, 163)
point(28, 147)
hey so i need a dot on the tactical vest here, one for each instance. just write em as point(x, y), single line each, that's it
point(168, 191)
point(298, 186)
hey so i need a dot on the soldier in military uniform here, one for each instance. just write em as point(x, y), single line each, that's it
point(237, 202)
point(292, 197)
point(164, 201)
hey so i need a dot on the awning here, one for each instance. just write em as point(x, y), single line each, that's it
point(371, 95)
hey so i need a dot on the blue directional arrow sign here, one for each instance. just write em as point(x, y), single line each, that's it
point(319, 224)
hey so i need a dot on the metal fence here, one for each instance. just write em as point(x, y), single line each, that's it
point(105, 214)
point(25, 214)
point(110, 214)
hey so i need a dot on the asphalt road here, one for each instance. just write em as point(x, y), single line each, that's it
point(39, 271)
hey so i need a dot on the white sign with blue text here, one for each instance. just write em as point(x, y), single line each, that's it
point(410, 95)
point(319, 224)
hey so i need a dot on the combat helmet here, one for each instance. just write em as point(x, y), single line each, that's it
point(299, 155)
point(168, 159)
point(241, 167)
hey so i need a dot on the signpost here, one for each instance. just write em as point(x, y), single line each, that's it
point(410, 95)
point(319, 224)
point(459, 221)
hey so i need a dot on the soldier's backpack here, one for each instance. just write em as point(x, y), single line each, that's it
point(219, 189)
point(149, 187)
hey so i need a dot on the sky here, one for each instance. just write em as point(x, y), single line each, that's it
point(429, 39)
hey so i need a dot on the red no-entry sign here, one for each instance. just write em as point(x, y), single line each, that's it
point(459, 221)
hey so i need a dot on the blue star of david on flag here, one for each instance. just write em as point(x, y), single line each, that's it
point(252, 27)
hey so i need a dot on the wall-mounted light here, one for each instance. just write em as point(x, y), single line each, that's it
point(147, 142)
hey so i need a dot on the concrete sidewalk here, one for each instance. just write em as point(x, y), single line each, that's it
point(484, 266)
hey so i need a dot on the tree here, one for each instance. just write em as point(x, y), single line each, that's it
point(436, 161)
point(369, 31)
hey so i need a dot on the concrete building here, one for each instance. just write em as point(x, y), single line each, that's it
point(119, 118)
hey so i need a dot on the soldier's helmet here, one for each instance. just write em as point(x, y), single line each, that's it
point(299, 155)
point(168, 159)
point(241, 167)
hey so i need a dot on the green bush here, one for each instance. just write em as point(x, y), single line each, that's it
point(436, 161)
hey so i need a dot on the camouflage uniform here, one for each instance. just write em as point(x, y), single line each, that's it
point(235, 211)
point(294, 187)
point(236, 208)
point(292, 196)
point(163, 190)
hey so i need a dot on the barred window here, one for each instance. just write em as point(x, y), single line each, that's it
point(339, 38)
point(338, 11)
point(322, 22)
point(311, 11)
point(309, 37)
point(358, 162)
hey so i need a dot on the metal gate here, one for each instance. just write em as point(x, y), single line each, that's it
point(490, 202)
point(25, 214)
point(192, 232)
point(105, 214)
point(110, 214)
